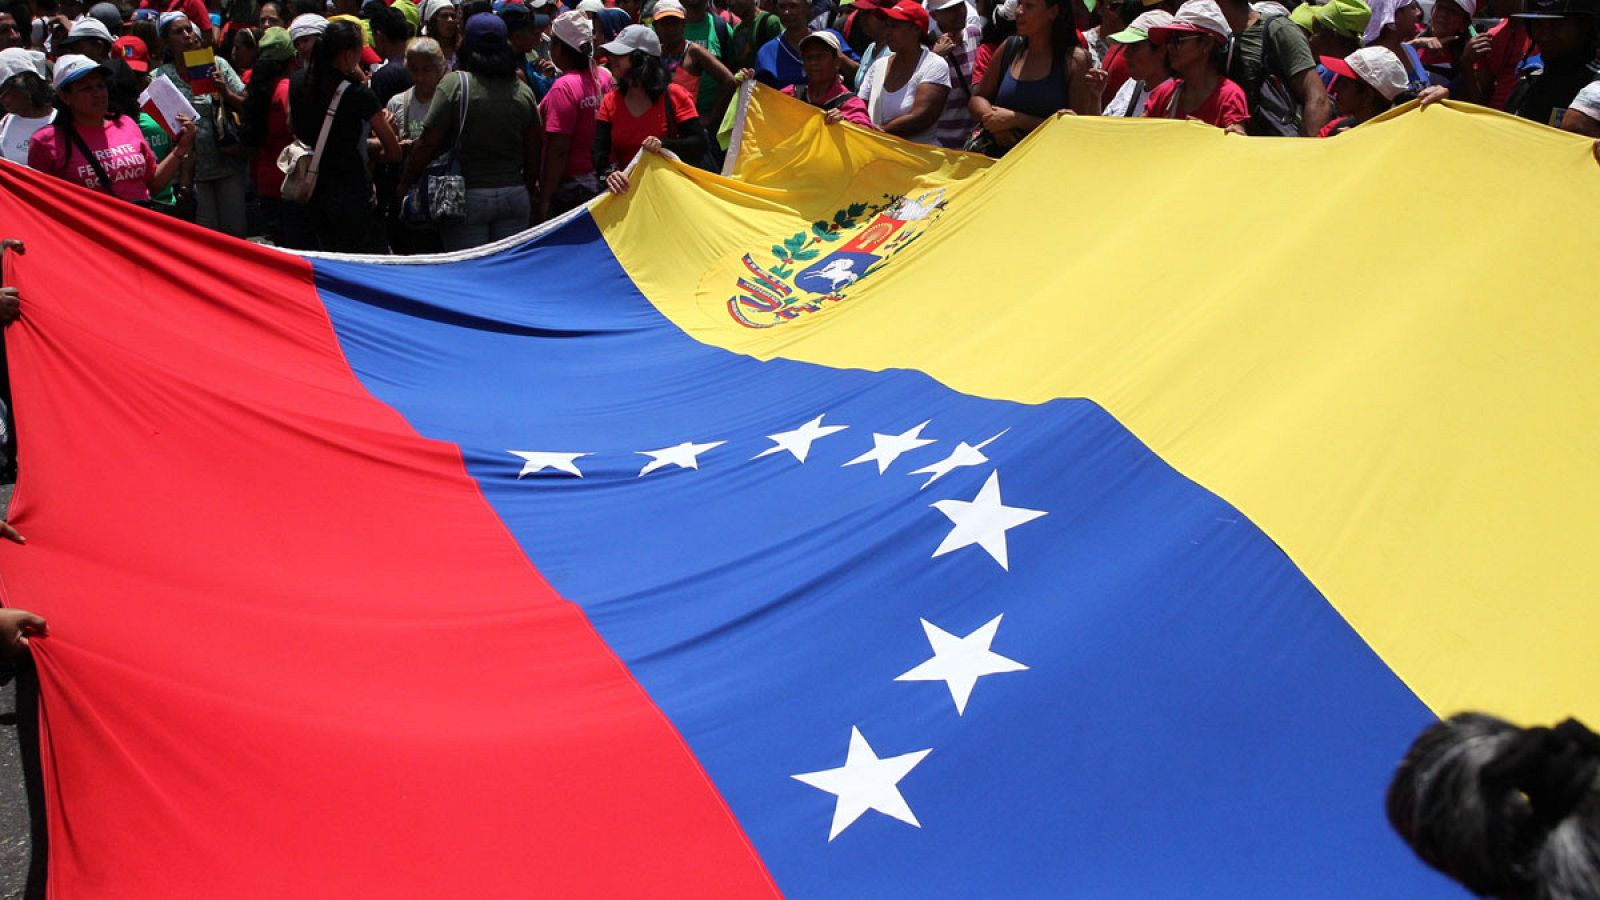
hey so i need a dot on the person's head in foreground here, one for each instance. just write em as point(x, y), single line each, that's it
point(1509, 812)
point(1583, 113)
point(1368, 82)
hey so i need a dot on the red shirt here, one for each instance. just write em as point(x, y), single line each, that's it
point(1225, 106)
point(853, 110)
point(1116, 66)
point(1509, 45)
point(628, 132)
point(269, 181)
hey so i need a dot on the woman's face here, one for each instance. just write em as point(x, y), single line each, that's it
point(182, 37)
point(1146, 63)
point(304, 45)
point(902, 37)
point(820, 62)
point(619, 65)
point(87, 97)
point(14, 101)
point(1449, 20)
point(1407, 21)
point(1349, 94)
point(444, 24)
point(425, 72)
point(271, 16)
point(1187, 51)
point(1035, 17)
point(872, 22)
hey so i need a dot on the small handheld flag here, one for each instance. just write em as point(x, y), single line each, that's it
point(163, 102)
point(200, 70)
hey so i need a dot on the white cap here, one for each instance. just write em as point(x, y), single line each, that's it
point(1270, 8)
point(591, 6)
point(1380, 69)
point(573, 28)
point(88, 28)
point(1006, 12)
point(936, 5)
point(1587, 101)
point(1382, 16)
point(666, 9)
point(431, 8)
point(829, 38)
point(540, 4)
point(1139, 29)
point(634, 37)
point(1204, 15)
point(72, 67)
point(1470, 7)
point(15, 61)
point(307, 25)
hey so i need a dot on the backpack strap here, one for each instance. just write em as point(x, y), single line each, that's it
point(327, 126)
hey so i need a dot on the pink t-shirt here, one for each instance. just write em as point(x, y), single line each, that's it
point(119, 146)
point(568, 108)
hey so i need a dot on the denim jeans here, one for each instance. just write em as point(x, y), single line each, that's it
point(492, 214)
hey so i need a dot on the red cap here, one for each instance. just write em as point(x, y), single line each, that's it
point(909, 11)
point(1338, 67)
point(133, 52)
point(370, 57)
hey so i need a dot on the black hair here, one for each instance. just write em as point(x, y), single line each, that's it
point(472, 8)
point(124, 86)
point(36, 89)
point(492, 60)
point(1063, 39)
point(324, 75)
point(298, 8)
point(646, 73)
point(1509, 812)
point(258, 100)
point(996, 30)
point(145, 30)
point(392, 24)
point(1127, 10)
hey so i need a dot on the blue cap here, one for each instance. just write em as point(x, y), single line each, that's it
point(486, 29)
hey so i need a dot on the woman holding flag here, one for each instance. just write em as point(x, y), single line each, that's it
point(210, 84)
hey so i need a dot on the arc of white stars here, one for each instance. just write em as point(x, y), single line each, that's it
point(535, 461)
point(983, 520)
point(798, 442)
point(963, 455)
point(960, 661)
point(864, 782)
point(685, 456)
point(886, 448)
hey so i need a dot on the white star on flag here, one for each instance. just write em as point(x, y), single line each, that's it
point(865, 782)
point(960, 661)
point(886, 448)
point(684, 456)
point(983, 520)
point(963, 455)
point(798, 441)
point(535, 461)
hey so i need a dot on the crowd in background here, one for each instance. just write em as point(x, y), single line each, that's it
point(445, 126)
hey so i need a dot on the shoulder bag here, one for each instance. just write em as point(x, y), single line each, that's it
point(299, 163)
point(440, 196)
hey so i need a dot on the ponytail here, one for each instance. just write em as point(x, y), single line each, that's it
point(1508, 812)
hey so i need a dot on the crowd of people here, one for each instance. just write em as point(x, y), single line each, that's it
point(379, 126)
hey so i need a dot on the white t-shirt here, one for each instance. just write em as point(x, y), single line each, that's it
point(886, 106)
point(15, 132)
point(1125, 96)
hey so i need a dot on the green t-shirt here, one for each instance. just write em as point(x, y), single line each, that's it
point(1290, 54)
point(706, 34)
point(160, 145)
point(499, 114)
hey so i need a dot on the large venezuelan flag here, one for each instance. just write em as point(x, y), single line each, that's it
point(1100, 523)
